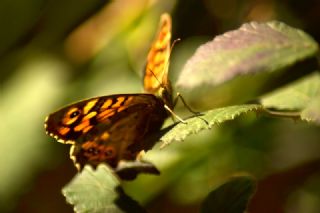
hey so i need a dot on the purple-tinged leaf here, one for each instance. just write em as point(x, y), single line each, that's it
point(253, 48)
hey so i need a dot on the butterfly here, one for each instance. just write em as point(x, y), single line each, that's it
point(113, 128)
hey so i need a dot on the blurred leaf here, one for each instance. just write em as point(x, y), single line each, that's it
point(205, 121)
point(253, 48)
point(295, 96)
point(178, 160)
point(112, 22)
point(25, 100)
point(277, 187)
point(312, 110)
point(98, 191)
point(21, 15)
point(72, 13)
point(231, 197)
point(38, 18)
point(303, 95)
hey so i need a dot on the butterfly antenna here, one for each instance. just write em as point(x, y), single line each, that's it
point(154, 75)
point(169, 55)
point(173, 43)
point(167, 64)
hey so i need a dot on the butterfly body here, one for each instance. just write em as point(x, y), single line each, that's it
point(117, 127)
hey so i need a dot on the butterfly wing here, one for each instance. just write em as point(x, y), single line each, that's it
point(156, 71)
point(111, 128)
point(107, 129)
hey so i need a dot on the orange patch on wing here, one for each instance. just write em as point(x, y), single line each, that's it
point(82, 125)
point(89, 144)
point(119, 102)
point(121, 108)
point(85, 126)
point(89, 106)
point(128, 101)
point(105, 114)
point(159, 59)
point(90, 115)
point(86, 129)
point(106, 104)
point(63, 130)
point(105, 136)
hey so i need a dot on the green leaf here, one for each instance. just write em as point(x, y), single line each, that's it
point(98, 191)
point(253, 48)
point(231, 197)
point(295, 96)
point(312, 110)
point(205, 121)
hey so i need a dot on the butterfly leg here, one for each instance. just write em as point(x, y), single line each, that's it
point(140, 155)
point(188, 107)
point(174, 114)
point(184, 103)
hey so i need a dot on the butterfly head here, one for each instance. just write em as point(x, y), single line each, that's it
point(165, 93)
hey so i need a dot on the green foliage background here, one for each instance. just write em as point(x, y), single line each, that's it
point(51, 56)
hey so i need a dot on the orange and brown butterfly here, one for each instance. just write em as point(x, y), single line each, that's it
point(113, 128)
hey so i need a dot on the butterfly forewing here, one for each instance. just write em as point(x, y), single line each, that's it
point(156, 71)
point(123, 139)
point(104, 128)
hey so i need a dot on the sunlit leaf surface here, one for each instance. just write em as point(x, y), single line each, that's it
point(205, 121)
point(295, 96)
point(302, 96)
point(98, 191)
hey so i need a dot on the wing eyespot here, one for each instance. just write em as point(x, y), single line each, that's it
point(71, 116)
point(93, 151)
point(74, 114)
point(110, 152)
